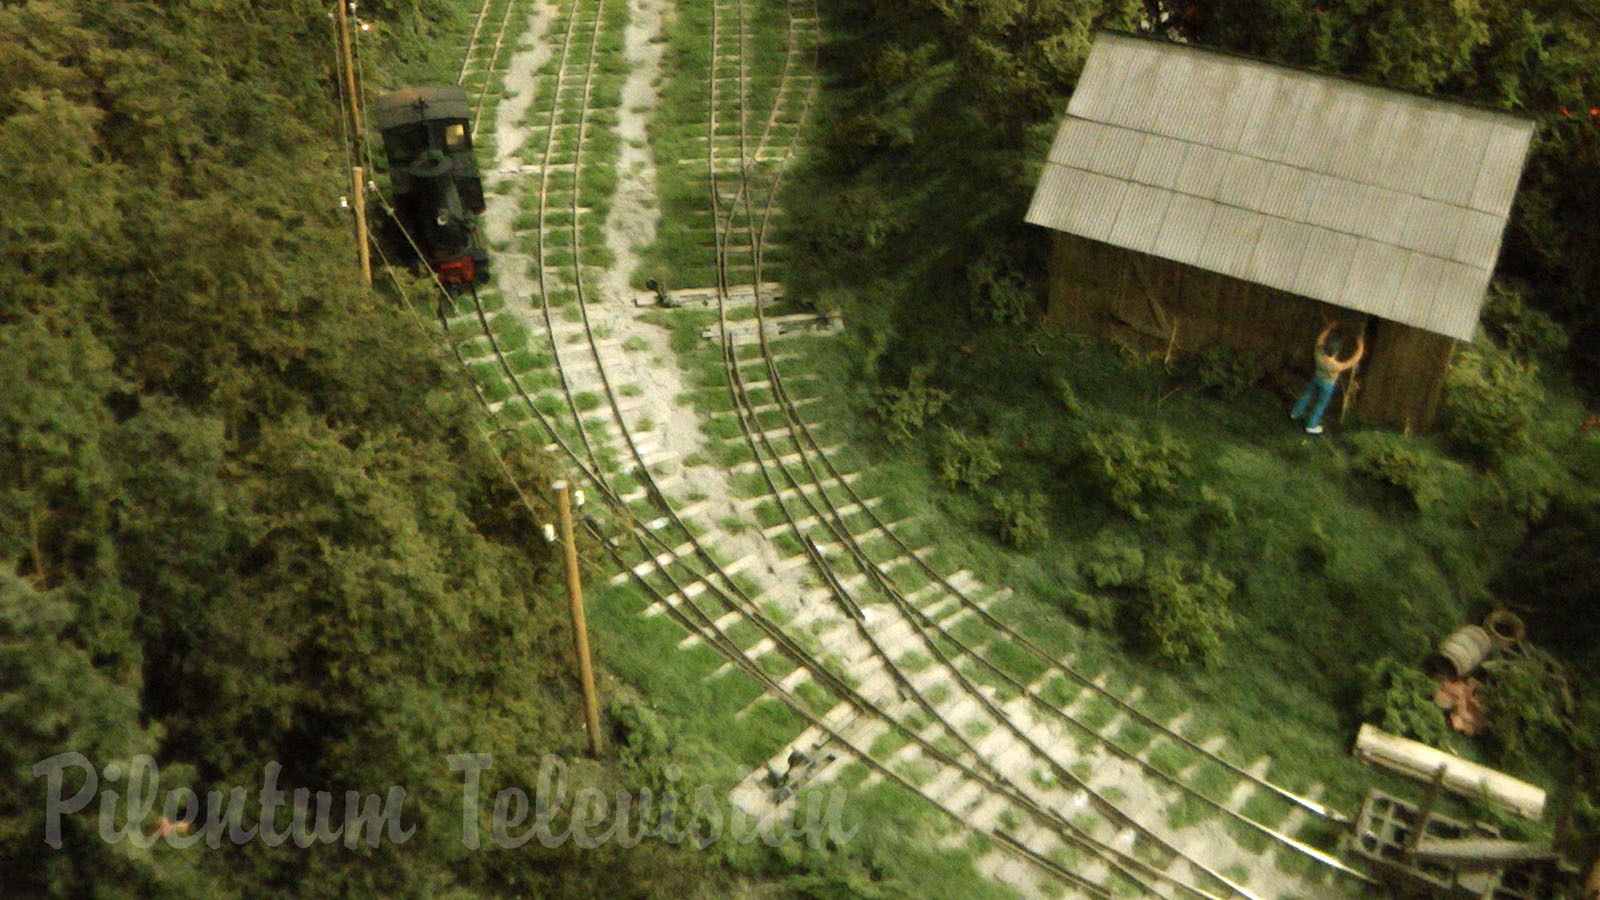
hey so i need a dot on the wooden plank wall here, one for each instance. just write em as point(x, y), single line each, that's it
point(1403, 378)
point(1153, 305)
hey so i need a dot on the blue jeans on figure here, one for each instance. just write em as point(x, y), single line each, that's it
point(1316, 397)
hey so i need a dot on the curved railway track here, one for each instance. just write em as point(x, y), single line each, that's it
point(696, 618)
point(472, 42)
point(930, 633)
point(702, 623)
point(494, 56)
point(675, 559)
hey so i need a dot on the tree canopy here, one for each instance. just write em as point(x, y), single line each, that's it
point(246, 510)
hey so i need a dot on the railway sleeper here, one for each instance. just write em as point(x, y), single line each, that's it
point(775, 326)
point(809, 489)
point(697, 585)
point(787, 459)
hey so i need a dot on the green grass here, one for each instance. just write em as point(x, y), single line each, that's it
point(1313, 550)
point(1313, 547)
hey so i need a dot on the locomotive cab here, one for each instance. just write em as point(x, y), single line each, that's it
point(433, 177)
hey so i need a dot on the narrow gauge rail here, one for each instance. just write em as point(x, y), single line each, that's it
point(1119, 862)
point(472, 41)
point(594, 474)
point(921, 624)
point(494, 57)
point(748, 607)
point(756, 439)
point(541, 262)
point(713, 635)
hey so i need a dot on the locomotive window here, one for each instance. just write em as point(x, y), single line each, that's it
point(411, 142)
point(455, 137)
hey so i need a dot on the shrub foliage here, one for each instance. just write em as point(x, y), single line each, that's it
point(1398, 461)
point(966, 460)
point(1183, 616)
point(1130, 462)
point(1399, 699)
point(1023, 524)
point(1489, 402)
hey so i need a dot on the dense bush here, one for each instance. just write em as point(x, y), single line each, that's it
point(1113, 562)
point(1399, 699)
point(904, 411)
point(1399, 462)
point(998, 294)
point(1094, 610)
point(1525, 330)
point(1528, 706)
point(967, 460)
point(1131, 462)
point(1183, 616)
point(1489, 402)
point(1022, 518)
point(1532, 480)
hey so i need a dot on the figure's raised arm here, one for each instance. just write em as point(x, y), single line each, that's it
point(1326, 330)
point(1361, 347)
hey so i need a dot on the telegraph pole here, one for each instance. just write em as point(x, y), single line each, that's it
point(363, 252)
point(580, 631)
point(358, 181)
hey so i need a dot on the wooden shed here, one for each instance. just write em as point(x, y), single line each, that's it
point(1200, 199)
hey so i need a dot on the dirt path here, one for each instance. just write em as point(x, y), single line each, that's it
point(637, 355)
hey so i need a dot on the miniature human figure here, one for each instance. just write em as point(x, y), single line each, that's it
point(663, 299)
point(1329, 368)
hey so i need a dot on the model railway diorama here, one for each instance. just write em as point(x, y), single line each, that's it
point(716, 468)
point(1403, 848)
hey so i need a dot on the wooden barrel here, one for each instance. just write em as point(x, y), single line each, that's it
point(1465, 649)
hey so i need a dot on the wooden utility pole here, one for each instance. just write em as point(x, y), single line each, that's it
point(363, 252)
point(358, 181)
point(580, 631)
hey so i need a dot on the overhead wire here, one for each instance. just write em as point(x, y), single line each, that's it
point(344, 122)
point(361, 90)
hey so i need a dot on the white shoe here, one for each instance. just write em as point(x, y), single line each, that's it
point(1314, 429)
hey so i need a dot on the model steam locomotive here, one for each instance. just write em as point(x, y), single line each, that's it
point(434, 181)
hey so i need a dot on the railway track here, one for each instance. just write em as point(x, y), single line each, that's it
point(725, 588)
point(713, 577)
point(931, 634)
point(673, 567)
point(472, 41)
point(482, 56)
point(1129, 867)
point(690, 613)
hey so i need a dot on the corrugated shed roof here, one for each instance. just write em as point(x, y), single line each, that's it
point(1375, 200)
